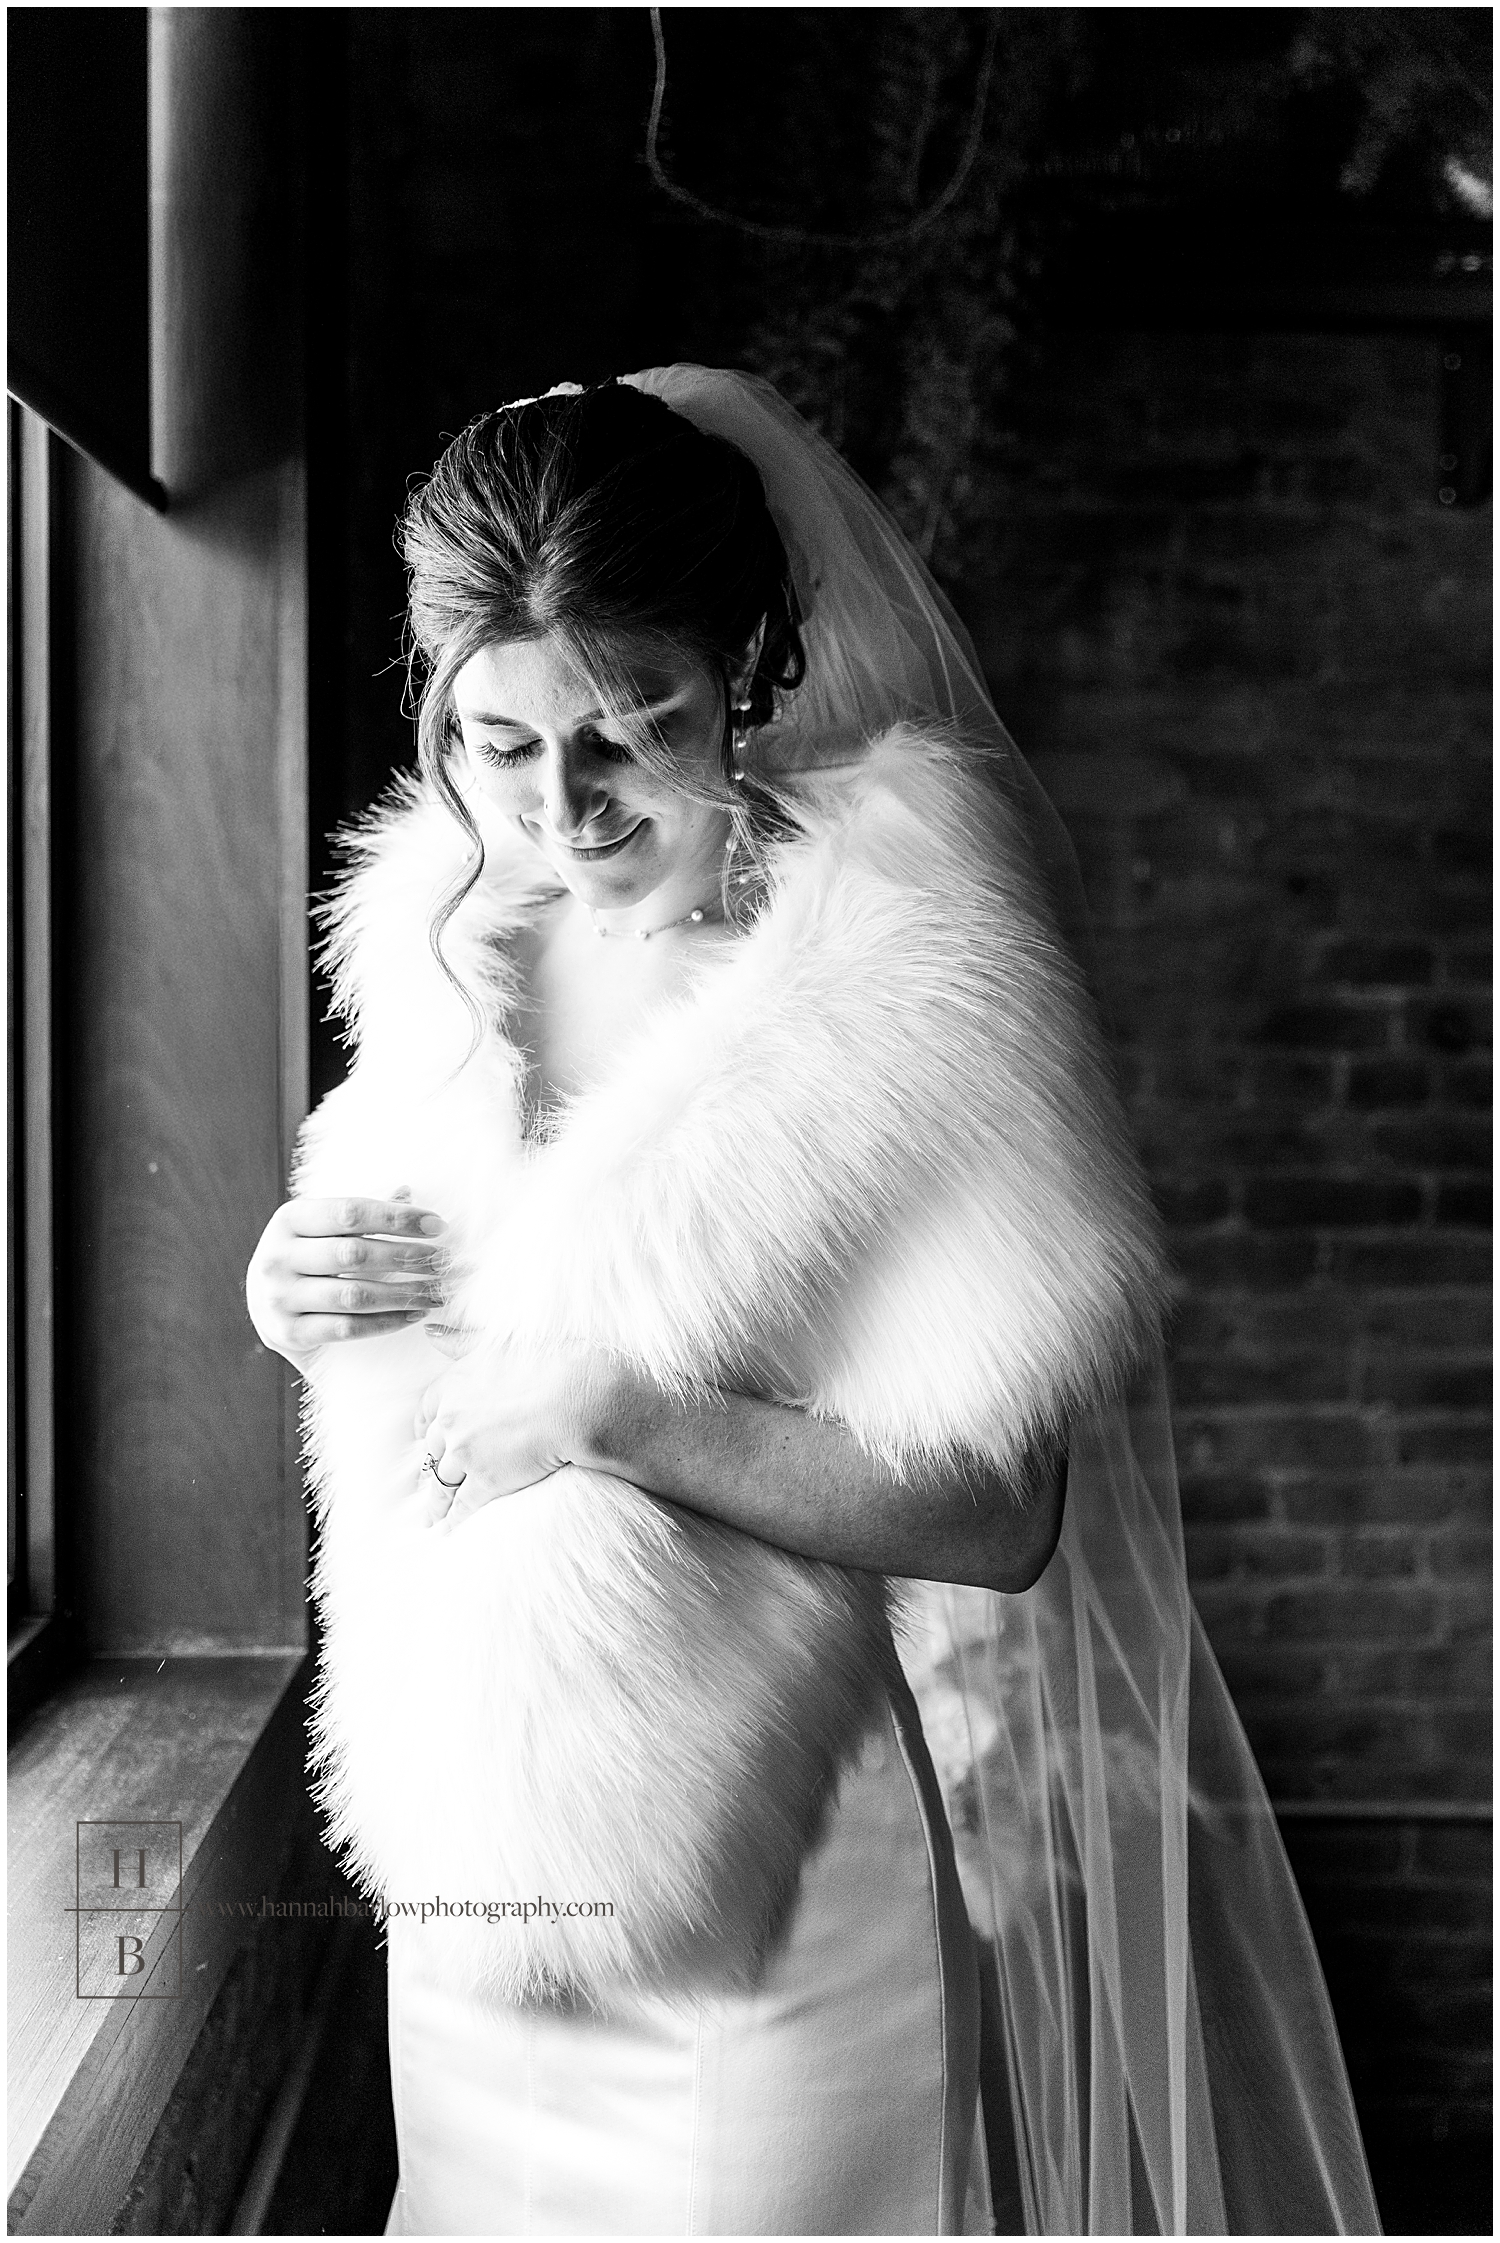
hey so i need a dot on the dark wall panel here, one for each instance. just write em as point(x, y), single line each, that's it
point(187, 1509)
point(184, 864)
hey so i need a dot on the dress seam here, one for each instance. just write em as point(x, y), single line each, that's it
point(527, 2226)
point(691, 2223)
point(939, 1956)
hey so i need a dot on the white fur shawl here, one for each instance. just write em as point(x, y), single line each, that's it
point(870, 1164)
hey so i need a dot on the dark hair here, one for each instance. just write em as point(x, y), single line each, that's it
point(605, 517)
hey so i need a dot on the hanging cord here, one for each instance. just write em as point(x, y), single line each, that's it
point(887, 238)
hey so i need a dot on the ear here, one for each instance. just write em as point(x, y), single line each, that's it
point(744, 670)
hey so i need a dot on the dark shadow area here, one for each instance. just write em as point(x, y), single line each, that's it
point(1401, 1915)
point(1443, 2188)
point(339, 2171)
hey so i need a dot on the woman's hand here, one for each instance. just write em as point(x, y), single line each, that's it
point(504, 1418)
point(342, 1269)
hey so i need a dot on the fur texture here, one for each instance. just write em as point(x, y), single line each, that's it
point(872, 1165)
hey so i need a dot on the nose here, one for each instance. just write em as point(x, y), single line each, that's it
point(573, 789)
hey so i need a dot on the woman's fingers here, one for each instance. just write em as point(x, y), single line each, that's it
point(436, 1501)
point(456, 1340)
point(383, 1250)
point(441, 1477)
point(311, 1331)
point(441, 1431)
point(335, 1218)
point(332, 1296)
point(374, 1257)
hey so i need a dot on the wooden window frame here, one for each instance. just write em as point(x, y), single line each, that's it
point(135, 632)
point(42, 1643)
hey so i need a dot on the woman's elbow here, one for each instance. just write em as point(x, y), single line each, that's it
point(1024, 1519)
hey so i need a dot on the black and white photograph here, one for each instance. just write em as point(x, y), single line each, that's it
point(748, 1230)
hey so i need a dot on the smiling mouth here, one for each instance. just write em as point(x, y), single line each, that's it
point(608, 848)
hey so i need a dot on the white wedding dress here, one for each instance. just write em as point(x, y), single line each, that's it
point(837, 2098)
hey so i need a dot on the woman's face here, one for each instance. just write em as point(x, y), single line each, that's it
point(543, 752)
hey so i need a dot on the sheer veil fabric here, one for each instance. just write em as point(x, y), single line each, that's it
point(1169, 2059)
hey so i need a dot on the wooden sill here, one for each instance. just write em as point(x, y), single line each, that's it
point(211, 1743)
point(41, 1652)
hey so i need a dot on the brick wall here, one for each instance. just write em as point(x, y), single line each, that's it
point(1400, 1911)
point(1248, 653)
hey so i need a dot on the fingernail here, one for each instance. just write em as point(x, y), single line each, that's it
point(432, 1224)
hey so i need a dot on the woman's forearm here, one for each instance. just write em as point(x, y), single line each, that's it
point(806, 1484)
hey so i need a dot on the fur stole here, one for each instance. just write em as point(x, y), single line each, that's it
point(871, 1164)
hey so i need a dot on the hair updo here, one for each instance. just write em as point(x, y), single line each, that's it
point(607, 518)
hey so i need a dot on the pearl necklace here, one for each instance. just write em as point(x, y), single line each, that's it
point(643, 934)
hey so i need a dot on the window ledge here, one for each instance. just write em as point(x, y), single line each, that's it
point(41, 1652)
point(210, 1743)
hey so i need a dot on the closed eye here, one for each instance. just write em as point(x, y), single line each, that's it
point(503, 759)
point(613, 751)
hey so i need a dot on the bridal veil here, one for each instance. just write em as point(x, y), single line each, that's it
point(1158, 2013)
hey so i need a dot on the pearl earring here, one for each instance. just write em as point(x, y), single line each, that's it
point(739, 741)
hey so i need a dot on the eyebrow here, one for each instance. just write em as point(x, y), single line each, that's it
point(662, 707)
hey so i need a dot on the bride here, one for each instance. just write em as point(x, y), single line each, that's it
point(759, 1687)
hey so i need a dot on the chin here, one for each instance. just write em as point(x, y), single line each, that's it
point(601, 895)
point(609, 887)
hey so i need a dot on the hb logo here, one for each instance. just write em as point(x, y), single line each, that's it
point(129, 1912)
